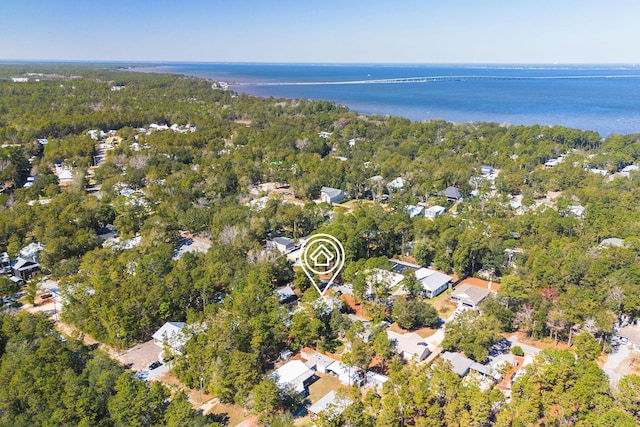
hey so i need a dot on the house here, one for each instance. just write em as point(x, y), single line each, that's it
point(452, 194)
point(332, 195)
point(171, 334)
point(469, 295)
point(612, 242)
point(486, 371)
point(286, 294)
point(319, 362)
point(433, 282)
point(486, 170)
point(282, 244)
point(347, 375)
point(31, 250)
point(296, 375)
point(324, 134)
point(64, 173)
point(577, 211)
point(387, 278)
point(376, 380)
point(434, 211)
point(413, 211)
point(411, 346)
point(25, 268)
point(396, 184)
point(630, 168)
point(332, 401)
point(459, 364)
point(4, 259)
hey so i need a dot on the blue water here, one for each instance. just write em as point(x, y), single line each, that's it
point(605, 99)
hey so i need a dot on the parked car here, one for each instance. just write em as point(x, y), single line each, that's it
point(154, 365)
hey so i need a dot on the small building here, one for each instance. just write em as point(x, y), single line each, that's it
point(469, 295)
point(286, 294)
point(411, 346)
point(319, 362)
point(459, 364)
point(332, 195)
point(486, 170)
point(296, 375)
point(434, 211)
point(25, 268)
point(335, 402)
point(376, 380)
point(282, 244)
point(324, 134)
point(171, 334)
point(452, 194)
point(433, 282)
point(347, 375)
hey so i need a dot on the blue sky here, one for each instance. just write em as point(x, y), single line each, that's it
point(374, 31)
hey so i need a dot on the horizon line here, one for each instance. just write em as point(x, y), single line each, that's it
point(163, 62)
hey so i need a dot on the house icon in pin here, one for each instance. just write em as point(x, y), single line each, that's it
point(322, 256)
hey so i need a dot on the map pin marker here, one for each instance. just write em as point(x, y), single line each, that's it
point(322, 255)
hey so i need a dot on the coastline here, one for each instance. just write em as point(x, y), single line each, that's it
point(462, 94)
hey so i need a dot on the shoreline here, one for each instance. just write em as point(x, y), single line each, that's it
point(374, 102)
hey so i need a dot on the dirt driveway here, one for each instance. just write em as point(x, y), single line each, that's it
point(140, 356)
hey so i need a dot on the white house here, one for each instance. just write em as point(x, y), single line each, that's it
point(336, 403)
point(486, 170)
point(282, 244)
point(172, 335)
point(347, 375)
point(413, 210)
point(411, 346)
point(396, 184)
point(332, 195)
point(434, 211)
point(319, 362)
point(433, 282)
point(294, 374)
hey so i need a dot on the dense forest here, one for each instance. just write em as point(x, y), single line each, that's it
point(556, 279)
point(49, 380)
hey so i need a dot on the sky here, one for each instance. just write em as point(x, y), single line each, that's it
point(322, 31)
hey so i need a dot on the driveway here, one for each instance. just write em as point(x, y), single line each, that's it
point(530, 350)
point(140, 356)
point(618, 364)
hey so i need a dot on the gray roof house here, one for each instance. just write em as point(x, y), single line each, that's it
point(332, 195)
point(411, 346)
point(336, 403)
point(282, 244)
point(452, 194)
point(459, 364)
point(433, 282)
point(25, 268)
point(469, 295)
